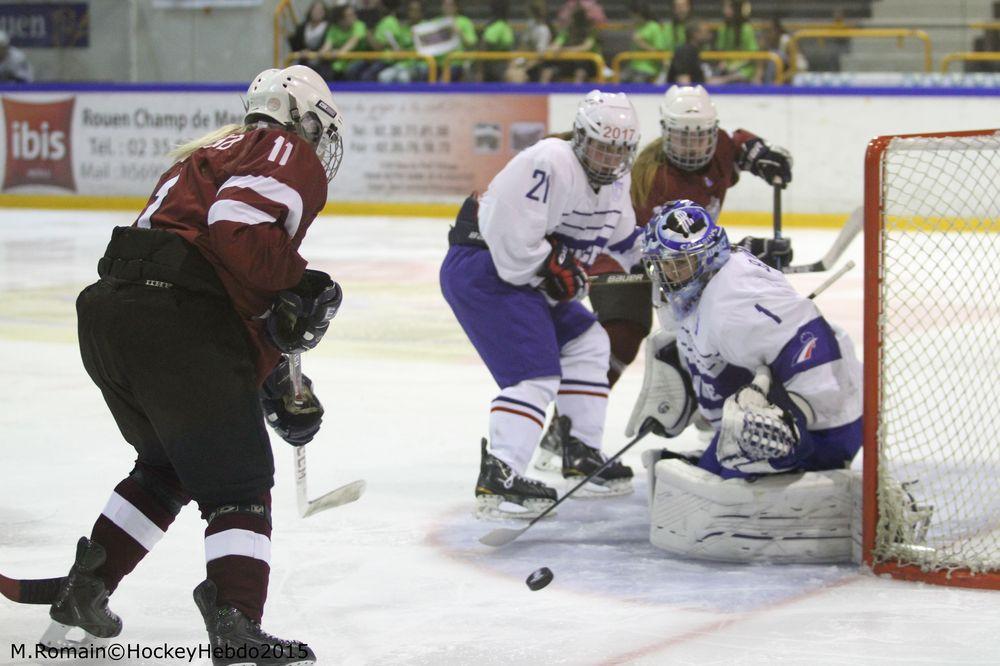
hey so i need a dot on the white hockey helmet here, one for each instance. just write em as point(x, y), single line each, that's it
point(605, 136)
point(690, 127)
point(300, 100)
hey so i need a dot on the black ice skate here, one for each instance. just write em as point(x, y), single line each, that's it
point(580, 460)
point(550, 450)
point(236, 639)
point(82, 603)
point(502, 493)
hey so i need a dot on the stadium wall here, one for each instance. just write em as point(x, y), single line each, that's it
point(418, 150)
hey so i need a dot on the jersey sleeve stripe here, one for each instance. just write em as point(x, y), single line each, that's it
point(237, 211)
point(274, 190)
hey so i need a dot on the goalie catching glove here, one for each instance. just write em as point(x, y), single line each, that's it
point(296, 422)
point(666, 400)
point(300, 316)
point(563, 278)
point(756, 436)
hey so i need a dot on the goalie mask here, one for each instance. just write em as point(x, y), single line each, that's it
point(605, 136)
point(690, 126)
point(299, 99)
point(682, 248)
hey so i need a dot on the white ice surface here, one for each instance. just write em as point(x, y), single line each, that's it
point(399, 577)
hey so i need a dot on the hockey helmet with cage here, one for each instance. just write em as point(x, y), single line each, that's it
point(682, 248)
point(300, 100)
point(605, 136)
point(690, 126)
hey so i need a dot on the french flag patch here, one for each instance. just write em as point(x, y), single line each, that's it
point(808, 347)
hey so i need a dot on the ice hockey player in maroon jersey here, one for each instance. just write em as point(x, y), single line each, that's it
point(694, 159)
point(183, 334)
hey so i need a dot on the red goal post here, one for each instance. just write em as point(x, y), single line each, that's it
point(931, 488)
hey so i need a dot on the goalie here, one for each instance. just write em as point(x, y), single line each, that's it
point(780, 386)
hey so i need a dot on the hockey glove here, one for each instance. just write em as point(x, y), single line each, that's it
point(771, 163)
point(769, 250)
point(757, 436)
point(295, 422)
point(300, 316)
point(563, 278)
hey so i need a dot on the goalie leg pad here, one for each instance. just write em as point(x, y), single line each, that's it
point(667, 396)
point(805, 517)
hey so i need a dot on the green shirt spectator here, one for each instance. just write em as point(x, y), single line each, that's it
point(346, 33)
point(737, 34)
point(675, 29)
point(498, 36)
point(648, 37)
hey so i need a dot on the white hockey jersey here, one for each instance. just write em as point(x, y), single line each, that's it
point(543, 191)
point(749, 315)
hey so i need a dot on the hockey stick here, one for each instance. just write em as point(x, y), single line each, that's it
point(830, 280)
point(41, 591)
point(504, 535)
point(851, 228)
point(777, 220)
point(343, 495)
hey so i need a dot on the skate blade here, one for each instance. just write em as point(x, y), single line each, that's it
point(495, 507)
point(591, 490)
point(60, 635)
point(548, 461)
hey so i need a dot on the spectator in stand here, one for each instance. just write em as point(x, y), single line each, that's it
point(368, 11)
point(14, 65)
point(592, 8)
point(648, 36)
point(579, 36)
point(346, 33)
point(736, 34)
point(775, 40)
point(497, 36)
point(310, 36)
point(467, 37)
point(686, 67)
point(385, 37)
point(675, 30)
point(405, 71)
point(536, 37)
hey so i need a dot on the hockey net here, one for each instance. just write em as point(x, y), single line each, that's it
point(932, 357)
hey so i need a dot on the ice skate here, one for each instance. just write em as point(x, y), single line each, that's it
point(82, 605)
point(236, 639)
point(580, 460)
point(549, 457)
point(502, 493)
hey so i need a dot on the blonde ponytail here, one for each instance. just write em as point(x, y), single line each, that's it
point(644, 171)
point(184, 150)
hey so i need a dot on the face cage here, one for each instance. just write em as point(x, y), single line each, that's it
point(330, 151)
point(660, 270)
point(604, 163)
point(690, 149)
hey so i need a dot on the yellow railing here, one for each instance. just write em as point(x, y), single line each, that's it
point(871, 33)
point(284, 9)
point(571, 56)
point(432, 69)
point(978, 56)
point(665, 56)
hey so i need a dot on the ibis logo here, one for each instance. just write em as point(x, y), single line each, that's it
point(39, 146)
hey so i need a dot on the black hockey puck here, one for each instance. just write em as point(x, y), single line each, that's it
point(539, 578)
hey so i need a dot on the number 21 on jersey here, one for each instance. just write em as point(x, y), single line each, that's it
point(540, 190)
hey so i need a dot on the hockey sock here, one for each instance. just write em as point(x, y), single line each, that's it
point(583, 390)
point(516, 419)
point(625, 337)
point(238, 553)
point(136, 517)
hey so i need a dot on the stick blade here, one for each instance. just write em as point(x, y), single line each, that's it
point(42, 591)
point(343, 495)
point(501, 536)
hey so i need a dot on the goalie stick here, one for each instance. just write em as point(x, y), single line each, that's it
point(504, 535)
point(850, 230)
point(337, 497)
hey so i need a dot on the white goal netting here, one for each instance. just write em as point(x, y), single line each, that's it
point(939, 374)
